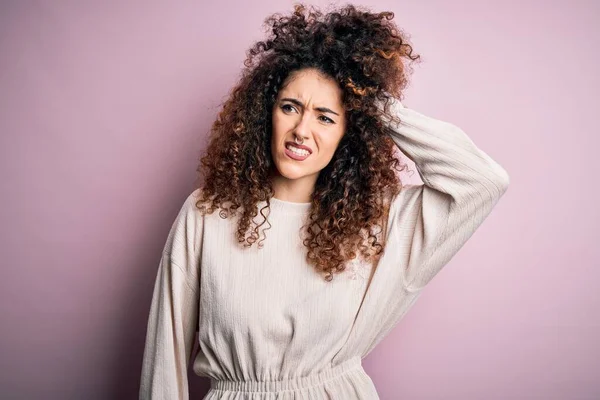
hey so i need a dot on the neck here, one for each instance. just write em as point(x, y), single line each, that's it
point(293, 190)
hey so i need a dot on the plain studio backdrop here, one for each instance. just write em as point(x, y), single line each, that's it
point(105, 108)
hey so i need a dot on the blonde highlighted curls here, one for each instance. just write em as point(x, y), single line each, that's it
point(369, 57)
point(386, 55)
point(359, 91)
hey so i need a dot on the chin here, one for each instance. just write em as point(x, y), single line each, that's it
point(293, 171)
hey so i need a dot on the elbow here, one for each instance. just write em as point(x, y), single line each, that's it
point(501, 180)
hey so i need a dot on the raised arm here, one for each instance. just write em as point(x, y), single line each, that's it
point(462, 184)
point(174, 311)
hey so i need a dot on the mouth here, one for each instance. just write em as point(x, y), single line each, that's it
point(297, 152)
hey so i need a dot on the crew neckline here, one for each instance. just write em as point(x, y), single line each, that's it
point(289, 206)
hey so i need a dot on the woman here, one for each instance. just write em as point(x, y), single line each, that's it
point(316, 250)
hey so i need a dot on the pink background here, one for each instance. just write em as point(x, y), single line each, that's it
point(104, 109)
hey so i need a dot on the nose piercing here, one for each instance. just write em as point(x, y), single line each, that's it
point(299, 142)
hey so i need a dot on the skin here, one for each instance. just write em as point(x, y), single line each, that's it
point(322, 131)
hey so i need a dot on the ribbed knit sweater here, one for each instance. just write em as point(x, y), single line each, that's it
point(269, 326)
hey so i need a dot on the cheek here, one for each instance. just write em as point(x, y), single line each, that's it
point(274, 133)
point(327, 145)
point(277, 130)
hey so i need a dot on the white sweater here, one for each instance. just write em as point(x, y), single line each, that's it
point(268, 325)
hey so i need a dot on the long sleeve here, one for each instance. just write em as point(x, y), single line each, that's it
point(174, 310)
point(462, 184)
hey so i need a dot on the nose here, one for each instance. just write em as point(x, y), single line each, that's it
point(303, 128)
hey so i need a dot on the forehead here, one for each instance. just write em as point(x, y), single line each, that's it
point(310, 85)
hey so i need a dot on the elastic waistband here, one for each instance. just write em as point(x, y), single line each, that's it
point(295, 383)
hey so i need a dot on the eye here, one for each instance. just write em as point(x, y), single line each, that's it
point(283, 107)
point(289, 107)
point(328, 120)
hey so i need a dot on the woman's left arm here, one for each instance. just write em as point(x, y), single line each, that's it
point(462, 184)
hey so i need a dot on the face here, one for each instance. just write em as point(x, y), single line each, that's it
point(308, 110)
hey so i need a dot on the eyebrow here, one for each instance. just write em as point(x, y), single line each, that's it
point(299, 103)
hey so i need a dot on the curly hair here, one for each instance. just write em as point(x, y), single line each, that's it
point(364, 53)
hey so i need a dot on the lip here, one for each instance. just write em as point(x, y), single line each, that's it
point(296, 157)
point(300, 146)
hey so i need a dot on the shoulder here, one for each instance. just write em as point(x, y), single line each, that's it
point(190, 218)
point(189, 209)
point(193, 204)
point(186, 232)
point(192, 200)
point(407, 197)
